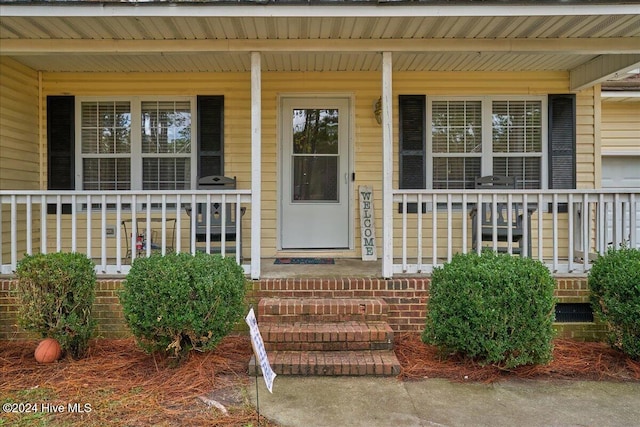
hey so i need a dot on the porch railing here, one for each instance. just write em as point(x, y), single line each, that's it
point(566, 230)
point(113, 228)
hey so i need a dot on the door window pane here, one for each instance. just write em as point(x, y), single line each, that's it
point(315, 178)
point(315, 131)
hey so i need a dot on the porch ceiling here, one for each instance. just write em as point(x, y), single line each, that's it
point(131, 41)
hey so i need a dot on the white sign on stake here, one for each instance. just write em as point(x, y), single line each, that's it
point(259, 350)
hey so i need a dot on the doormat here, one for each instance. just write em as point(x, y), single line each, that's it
point(304, 261)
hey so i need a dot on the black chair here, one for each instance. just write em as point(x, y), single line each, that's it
point(214, 230)
point(502, 224)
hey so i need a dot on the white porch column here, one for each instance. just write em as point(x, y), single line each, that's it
point(256, 163)
point(387, 166)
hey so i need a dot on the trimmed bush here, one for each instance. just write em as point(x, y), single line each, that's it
point(494, 308)
point(55, 294)
point(179, 302)
point(614, 282)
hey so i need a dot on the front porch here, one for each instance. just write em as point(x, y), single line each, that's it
point(566, 229)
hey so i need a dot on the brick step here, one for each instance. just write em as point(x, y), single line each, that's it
point(331, 363)
point(292, 310)
point(327, 336)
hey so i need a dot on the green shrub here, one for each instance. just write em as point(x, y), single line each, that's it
point(497, 309)
point(178, 302)
point(55, 294)
point(614, 281)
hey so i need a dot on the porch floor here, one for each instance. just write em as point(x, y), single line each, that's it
point(343, 267)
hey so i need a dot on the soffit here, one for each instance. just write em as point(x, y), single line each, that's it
point(420, 30)
point(353, 28)
point(241, 62)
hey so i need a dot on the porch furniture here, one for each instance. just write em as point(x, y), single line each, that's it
point(214, 230)
point(502, 224)
point(142, 239)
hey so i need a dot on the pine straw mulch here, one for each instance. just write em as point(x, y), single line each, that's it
point(125, 386)
point(571, 360)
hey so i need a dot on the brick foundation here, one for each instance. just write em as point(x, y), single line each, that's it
point(406, 297)
point(106, 310)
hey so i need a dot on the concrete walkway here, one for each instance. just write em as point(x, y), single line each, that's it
point(388, 402)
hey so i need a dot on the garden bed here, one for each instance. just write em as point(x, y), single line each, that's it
point(124, 386)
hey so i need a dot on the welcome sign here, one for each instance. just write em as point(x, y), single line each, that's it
point(367, 224)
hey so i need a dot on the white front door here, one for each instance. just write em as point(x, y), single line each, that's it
point(314, 210)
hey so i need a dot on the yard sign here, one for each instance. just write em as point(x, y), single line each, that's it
point(259, 350)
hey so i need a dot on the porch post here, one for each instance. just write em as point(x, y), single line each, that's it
point(387, 166)
point(256, 163)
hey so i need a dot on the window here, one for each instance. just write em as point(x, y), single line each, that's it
point(105, 137)
point(135, 144)
point(456, 143)
point(131, 143)
point(166, 145)
point(476, 137)
point(517, 140)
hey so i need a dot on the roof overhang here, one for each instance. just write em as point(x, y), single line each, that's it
point(336, 9)
point(590, 41)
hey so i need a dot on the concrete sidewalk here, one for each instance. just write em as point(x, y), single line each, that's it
point(387, 402)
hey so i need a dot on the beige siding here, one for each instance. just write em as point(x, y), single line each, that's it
point(19, 162)
point(362, 88)
point(621, 127)
point(587, 136)
point(19, 153)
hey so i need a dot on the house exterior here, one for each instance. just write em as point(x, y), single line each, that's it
point(106, 106)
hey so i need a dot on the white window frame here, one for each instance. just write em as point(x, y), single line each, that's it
point(136, 155)
point(487, 155)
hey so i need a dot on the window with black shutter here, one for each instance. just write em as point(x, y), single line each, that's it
point(111, 155)
point(210, 135)
point(459, 139)
point(562, 143)
point(412, 148)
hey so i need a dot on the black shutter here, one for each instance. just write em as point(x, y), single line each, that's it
point(60, 146)
point(60, 142)
point(562, 143)
point(210, 135)
point(412, 144)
